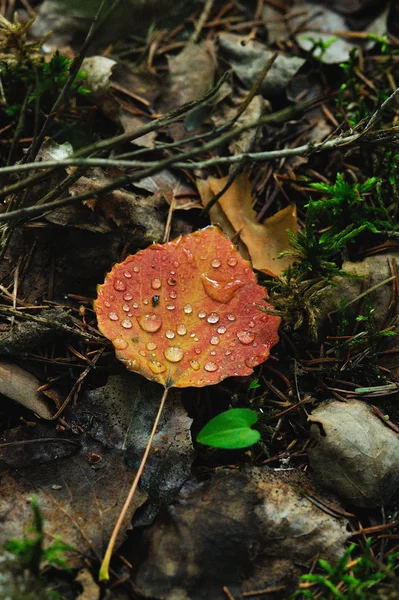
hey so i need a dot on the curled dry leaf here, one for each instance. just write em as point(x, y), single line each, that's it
point(356, 455)
point(234, 212)
point(187, 313)
point(22, 387)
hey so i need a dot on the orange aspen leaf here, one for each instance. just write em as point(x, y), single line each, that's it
point(184, 313)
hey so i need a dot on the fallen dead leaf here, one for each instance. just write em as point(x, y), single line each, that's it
point(123, 93)
point(263, 241)
point(313, 21)
point(120, 414)
point(245, 529)
point(191, 75)
point(171, 187)
point(248, 58)
point(355, 455)
point(188, 312)
point(79, 500)
point(119, 206)
point(21, 386)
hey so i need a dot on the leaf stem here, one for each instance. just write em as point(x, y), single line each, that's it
point(104, 569)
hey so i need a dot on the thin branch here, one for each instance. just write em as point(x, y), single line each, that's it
point(99, 20)
point(378, 113)
point(201, 21)
point(58, 326)
point(151, 168)
point(110, 143)
point(304, 150)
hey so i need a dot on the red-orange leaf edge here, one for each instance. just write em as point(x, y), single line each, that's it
point(186, 313)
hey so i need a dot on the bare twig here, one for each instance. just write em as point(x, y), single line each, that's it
point(201, 21)
point(108, 144)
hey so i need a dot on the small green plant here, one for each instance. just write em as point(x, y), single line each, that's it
point(231, 430)
point(30, 549)
point(350, 103)
point(361, 579)
point(319, 46)
point(346, 203)
point(254, 385)
point(317, 255)
point(313, 252)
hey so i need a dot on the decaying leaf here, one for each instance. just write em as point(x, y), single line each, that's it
point(122, 93)
point(120, 415)
point(263, 241)
point(191, 75)
point(186, 313)
point(120, 206)
point(78, 498)
point(248, 59)
point(318, 21)
point(251, 525)
point(171, 187)
point(356, 455)
point(22, 386)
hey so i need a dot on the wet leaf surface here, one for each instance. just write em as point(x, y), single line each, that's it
point(186, 313)
point(356, 455)
point(245, 529)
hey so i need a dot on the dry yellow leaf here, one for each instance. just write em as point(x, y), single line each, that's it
point(235, 215)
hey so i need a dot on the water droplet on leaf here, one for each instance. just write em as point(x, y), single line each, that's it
point(202, 314)
point(188, 309)
point(214, 340)
point(127, 274)
point(113, 316)
point(126, 323)
point(150, 323)
point(181, 329)
point(151, 346)
point(210, 366)
point(173, 354)
point(127, 296)
point(120, 343)
point(213, 317)
point(119, 285)
point(232, 261)
point(170, 334)
point(231, 317)
point(195, 365)
point(156, 284)
point(220, 291)
point(215, 263)
point(221, 329)
point(246, 337)
point(156, 367)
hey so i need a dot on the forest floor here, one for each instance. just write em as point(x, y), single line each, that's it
point(144, 135)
